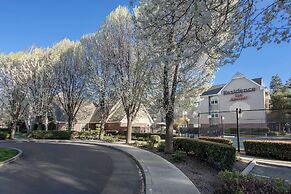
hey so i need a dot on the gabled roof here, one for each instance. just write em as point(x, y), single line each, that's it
point(213, 90)
point(217, 88)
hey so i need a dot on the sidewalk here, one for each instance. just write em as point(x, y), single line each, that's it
point(161, 177)
point(274, 162)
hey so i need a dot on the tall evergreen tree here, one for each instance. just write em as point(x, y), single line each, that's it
point(276, 83)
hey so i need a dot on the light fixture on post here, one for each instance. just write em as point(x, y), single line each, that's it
point(238, 112)
point(222, 118)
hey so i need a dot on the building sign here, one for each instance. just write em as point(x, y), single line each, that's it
point(238, 91)
point(238, 97)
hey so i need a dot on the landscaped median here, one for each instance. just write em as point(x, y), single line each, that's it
point(8, 155)
point(269, 149)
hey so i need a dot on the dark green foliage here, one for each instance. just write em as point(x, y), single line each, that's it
point(276, 83)
point(5, 135)
point(41, 126)
point(34, 127)
point(90, 134)
point(161, 147)
point(179, 156)
point(235, 182)
point(219, 155)
point(268, 149)
point(39, 134)
point(52, 126)
point(217, 140)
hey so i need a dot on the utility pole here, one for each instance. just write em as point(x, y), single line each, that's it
point(237, 111)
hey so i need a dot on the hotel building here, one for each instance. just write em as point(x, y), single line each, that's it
point(218, 105)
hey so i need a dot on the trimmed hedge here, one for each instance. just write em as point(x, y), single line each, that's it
point(217, 140)
point(269, 149)
point(4, 135)
point(50, 134)
point(219, 155)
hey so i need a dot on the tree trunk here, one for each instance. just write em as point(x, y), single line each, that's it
point(102, 130)
point(70, 123)
point(13, 130)
point(169, 132)
point(129, 130)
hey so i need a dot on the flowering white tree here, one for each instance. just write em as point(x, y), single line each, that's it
point(96, 48)
point(13, 88)
point(126, 54)
point(41, 85)
point(72, 76)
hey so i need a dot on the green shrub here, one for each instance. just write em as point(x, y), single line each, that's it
point(140, 143)
point(89, 134)
point(52, 126)
point(219, 155)
point(109, 138)
point(155, 139)
point(50, 134)
point(146, 136)
point(161, 147)
point(217, 140)
point(4, 135)
point(179, 156)
point(282, 133)
point(273, 133)
point(235, 182)
point(268, 149)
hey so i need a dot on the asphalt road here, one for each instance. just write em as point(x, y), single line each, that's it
point(69, 169)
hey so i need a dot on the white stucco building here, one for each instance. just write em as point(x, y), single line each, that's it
point(218, 104)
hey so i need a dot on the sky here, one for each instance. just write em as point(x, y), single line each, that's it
point(42, 23)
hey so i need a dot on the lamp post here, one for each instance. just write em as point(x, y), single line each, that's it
point(198, 123)
point(237, 111)
point(210, 123)
point(222, 118)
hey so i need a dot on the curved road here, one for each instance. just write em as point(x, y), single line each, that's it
point(69, 169)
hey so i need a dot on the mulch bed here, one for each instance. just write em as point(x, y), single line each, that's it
point(204, 176)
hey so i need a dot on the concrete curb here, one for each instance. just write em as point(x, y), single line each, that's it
point(249, 168)
point(13, 158)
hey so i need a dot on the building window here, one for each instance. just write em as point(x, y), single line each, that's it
point(214, 101)
point(214, 115)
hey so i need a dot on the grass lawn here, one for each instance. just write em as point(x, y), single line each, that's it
point(6, 153)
